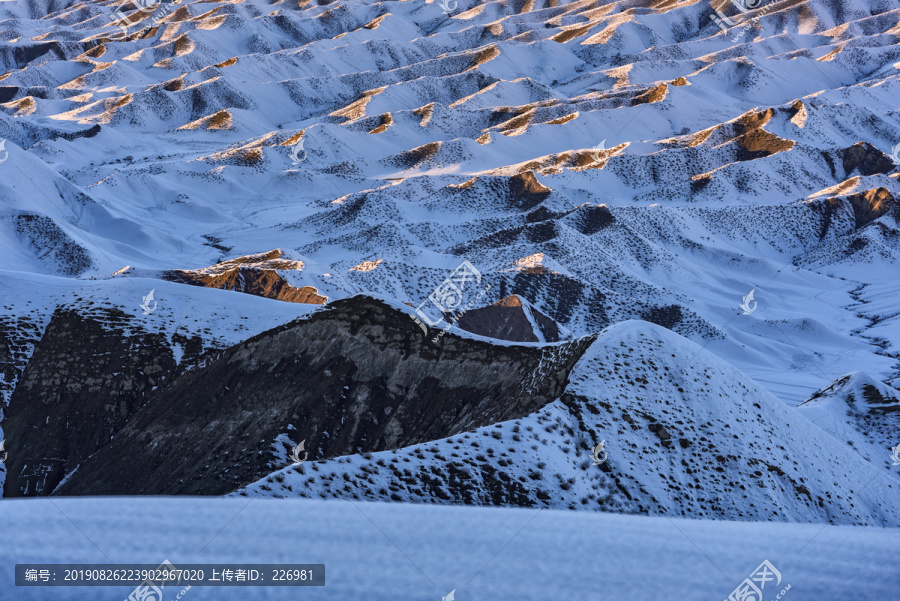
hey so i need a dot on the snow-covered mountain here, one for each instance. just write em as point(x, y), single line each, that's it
point(685, 434)
point(601, 162)
point(357, 376)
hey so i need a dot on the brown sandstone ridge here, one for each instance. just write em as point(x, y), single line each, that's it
point(525, 191)
point(844, 213)
point(252, 274)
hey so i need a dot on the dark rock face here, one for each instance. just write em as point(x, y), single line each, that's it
point(507, 319)
point(593, 218)
point(7, 93)
point(870, 205)
point(880, 403)
point(85, 133)
point(355, 377)
point(866, 160)
point(17, 57)
point(85, 379)
point(526, 192)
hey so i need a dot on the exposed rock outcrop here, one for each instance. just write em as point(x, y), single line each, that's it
point(865, 159)
point(847, 212)
point(654, 94)
point(252, 274)
point(86, 378)
point(870, 205)
point(355, 377)
point(18, 335)
point(512, 319)
point(684, 434)
point(753, 141)
point(526, 192)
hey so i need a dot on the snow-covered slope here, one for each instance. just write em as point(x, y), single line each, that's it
point(686, 434)
point(382, 552)
point(861, 412)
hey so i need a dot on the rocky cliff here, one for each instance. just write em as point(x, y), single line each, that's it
point(355, 377)
point(87, 376)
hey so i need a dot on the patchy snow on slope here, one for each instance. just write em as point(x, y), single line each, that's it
point(861, 412)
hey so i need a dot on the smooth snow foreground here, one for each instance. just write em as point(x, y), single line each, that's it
point(376, 551)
